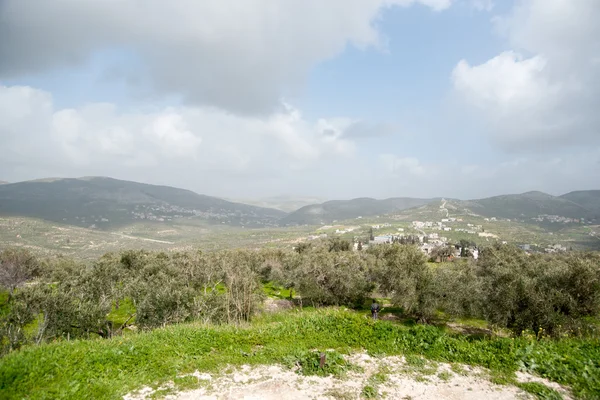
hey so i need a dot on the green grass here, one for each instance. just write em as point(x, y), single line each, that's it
point(107, 369)
point(122, 314)
point(541, 391)
point(272, 290)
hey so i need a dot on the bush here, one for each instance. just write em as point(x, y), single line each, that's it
point(539, 293)
point(403, 273)
point(332, 278)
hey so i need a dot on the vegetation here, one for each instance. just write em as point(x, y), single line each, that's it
point(210, 302)
point(106, 202)
point(94, 368)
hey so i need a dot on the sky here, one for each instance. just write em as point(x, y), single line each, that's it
point(336, 99)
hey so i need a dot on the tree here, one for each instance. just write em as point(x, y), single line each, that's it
point(17, 266)
point(441, 252)
point(403, 273)
point(333, 278)
point(360, 246)
point(371, 237)
point(337, 244)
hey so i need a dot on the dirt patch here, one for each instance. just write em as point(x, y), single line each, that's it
point(389, 377)
point(275, 305)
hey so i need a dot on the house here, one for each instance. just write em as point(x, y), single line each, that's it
point(382, 239)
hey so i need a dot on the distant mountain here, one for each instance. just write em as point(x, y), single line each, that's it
point(3, 182)
point(589, 199)
point(346, 209)
point(105, 202)
point(527, 205)
point(283, 203)
point(584, 204)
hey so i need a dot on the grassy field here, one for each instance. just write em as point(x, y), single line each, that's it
point(45, 237)
point(107, 369)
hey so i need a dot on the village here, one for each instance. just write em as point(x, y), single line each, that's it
point(431, 236)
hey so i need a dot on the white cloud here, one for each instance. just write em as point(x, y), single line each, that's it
point(401, 166)
point(483, 5)
point(548, 97)
point(239, 55)
point(408, 176)
point(198, 140)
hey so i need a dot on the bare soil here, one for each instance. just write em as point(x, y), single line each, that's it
point(432, 381)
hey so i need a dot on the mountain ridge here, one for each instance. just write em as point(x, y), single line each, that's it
point(103, 202)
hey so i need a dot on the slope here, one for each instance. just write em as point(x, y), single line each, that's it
point(347, 209)
point(526, 205)
point(106, 202)
point(589, 199)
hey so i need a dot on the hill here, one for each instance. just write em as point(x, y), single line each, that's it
point(527, 205)
point(590, 199)
point(347, 209)
point(284, 203)
point(105, 202)
point(3, 182)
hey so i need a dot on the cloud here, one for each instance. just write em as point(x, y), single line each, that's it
point(482, 5)
point(544, 93)
point(409, 176)
point(242, 56)
point(99, 139)
point(364, 129)
point(401, 166)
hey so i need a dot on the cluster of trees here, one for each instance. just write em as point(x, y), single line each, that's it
point(63, 298)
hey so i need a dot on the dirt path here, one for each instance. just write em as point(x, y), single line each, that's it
point(139, 238)
point(389, 377)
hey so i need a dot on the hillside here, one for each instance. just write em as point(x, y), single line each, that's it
point(284, 203)
point(527, 205)
point(347, 209)
point(589, 199)
point(105, 202)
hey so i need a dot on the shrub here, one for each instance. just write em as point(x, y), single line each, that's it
point(332, 278)
point(403, 273)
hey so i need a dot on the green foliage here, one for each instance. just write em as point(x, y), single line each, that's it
point(403, 273)
point(17, 266)
point(540, 391)
point(308, 363)
point(94, 368)
point(369, 392)
point(325, 277)
point(538, 292)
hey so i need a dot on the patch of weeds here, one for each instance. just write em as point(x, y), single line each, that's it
point(502, 378)
point(186, 382)
point(339, 394)
point(371, 389)
point(369, 392)
point(419, 365)
point(378, 378)
point(408, 397)
point(308, 363)
point(445, 376)
point(161, 393)
point(459, 369)
point(540, 391)
point(421, 378)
